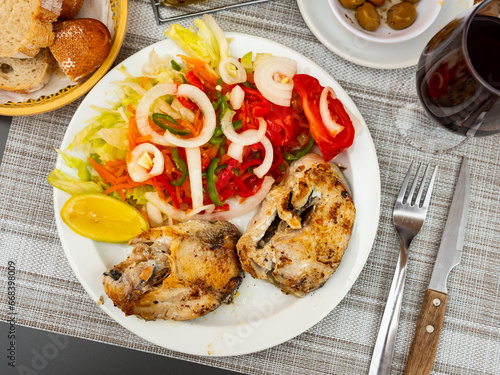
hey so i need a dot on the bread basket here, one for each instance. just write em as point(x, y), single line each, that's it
point(71, 93)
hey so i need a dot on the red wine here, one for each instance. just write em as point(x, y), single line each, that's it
point(483, 44)
point(450, 91)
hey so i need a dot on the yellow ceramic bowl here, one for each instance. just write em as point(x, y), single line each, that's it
point(71, 93)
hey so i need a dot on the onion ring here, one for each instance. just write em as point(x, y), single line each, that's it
point(245, 138)
point(137, 172)
point(277, 92)
point(334, 127)
point(142, 112)
point(227, 77)
point(209, 122)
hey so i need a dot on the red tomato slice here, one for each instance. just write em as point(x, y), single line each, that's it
point(281, 127)
point(329, 144)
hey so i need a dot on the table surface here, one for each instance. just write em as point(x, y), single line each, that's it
point(50, 299)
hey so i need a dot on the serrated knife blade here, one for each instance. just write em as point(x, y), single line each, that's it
point(430, 321)
point(452, 242)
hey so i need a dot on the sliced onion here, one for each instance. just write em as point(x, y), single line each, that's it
point(142, 112)
point(235, 150)
point(236, 209)
point(327, 118)
point(262, 169)
point(133, 85)
point(201, 99)
point(334, 127)
point(164, 107)
point(137, 172)
point(236, 97)
point(225, 74)
point(193, 158)
point(276, 92)
point(154, 215)
point(208, 208)
point(246, 138)
point(122, 113)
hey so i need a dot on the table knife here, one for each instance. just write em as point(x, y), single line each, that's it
point(430, 321)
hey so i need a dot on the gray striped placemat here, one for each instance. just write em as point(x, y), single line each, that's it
point(49, 296)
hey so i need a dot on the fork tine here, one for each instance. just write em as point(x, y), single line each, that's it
point(402, 192)
point(429, 189)
point(413, 185)
point(421, 188)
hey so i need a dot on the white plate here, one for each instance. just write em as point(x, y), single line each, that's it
point(326, 27)
point(261, 316)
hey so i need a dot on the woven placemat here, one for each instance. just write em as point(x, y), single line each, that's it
point(49, 297)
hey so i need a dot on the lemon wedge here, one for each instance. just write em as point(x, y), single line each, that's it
point(102, 218)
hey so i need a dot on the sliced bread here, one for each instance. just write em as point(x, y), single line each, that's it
point(80, 46)
point(26, 26)
point(28, 74)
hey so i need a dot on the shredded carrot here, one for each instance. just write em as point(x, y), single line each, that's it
point(169, 165)
point(158, 189)
point(187, 125)
point(144, 82)
point(115, 163)
point(143, 139)
point(225, 158)
point(198, 121)
point(192, 61)
point(143, 213)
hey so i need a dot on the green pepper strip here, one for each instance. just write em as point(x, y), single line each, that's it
point(217, 138)
point(237, 125)
point(180, 165)
point(291, 156)
point(211, 182)
point(158, 119)
point(174, 65)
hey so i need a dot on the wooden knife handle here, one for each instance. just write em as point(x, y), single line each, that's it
point(425, 341)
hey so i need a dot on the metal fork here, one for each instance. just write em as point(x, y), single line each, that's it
point(408, 218)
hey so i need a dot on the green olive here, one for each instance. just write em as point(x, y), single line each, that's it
point(401, 15)
point(351, 4)
point(368, 17)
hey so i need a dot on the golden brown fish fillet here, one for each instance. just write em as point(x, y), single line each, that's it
point(299, 235)
point(178, 272)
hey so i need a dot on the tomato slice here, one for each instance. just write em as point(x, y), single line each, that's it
point(330, 145)
point(281, 127)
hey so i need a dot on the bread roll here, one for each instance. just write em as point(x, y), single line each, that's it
point(80, 46)
point(70, 9)
point(28, 74)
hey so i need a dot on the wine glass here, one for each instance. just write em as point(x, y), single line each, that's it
point(458, 78)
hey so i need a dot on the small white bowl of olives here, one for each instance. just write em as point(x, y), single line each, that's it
point(386, 21)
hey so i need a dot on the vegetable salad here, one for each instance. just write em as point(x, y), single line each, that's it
point(203, 134)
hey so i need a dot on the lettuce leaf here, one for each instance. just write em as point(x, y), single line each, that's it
point(77, 163)
point(72, 185)
point(208, 43)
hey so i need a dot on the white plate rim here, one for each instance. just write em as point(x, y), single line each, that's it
point(448, 12)
point(281, 325)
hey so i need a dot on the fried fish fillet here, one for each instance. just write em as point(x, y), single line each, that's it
point(298, 237)
point(178, 272)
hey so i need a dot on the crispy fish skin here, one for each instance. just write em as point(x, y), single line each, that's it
point(298, 237)
point(178, 272)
